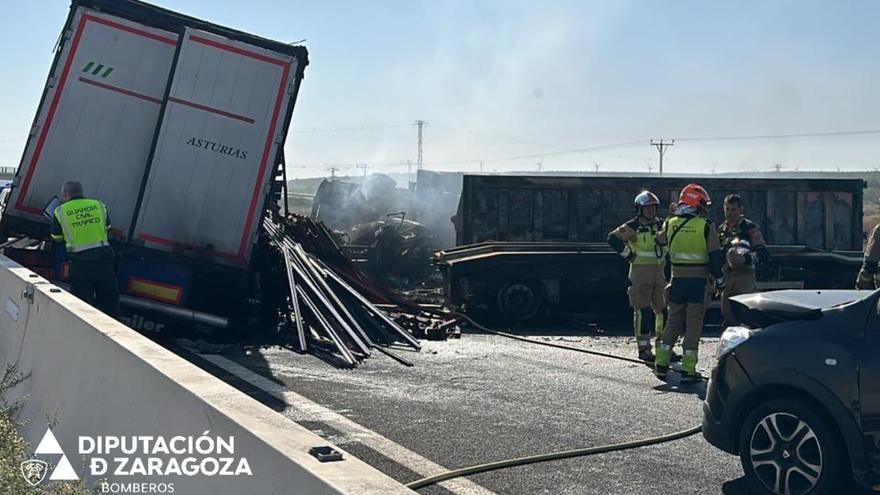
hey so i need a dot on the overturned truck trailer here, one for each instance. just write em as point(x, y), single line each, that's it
point(178, 125)
point(528, 243)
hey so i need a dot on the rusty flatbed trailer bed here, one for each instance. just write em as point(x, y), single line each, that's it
point(529, 243)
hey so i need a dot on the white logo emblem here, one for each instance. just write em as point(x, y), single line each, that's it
point(34, 470)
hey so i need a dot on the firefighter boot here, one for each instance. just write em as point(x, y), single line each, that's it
point(645, 353)
point(689, 372)
point(659, 323)
point(661, 363)
point(642, 325)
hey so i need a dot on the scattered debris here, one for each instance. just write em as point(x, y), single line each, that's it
point(341, 204)
point(336, 309)
point(395, 249)
point(429, 325)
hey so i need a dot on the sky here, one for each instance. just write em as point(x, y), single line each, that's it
point(521, 85)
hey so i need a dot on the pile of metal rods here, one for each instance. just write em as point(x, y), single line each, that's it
point(316, 240)
point(328, 313)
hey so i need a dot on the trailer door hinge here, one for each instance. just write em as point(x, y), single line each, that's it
point(279, 139)
point(65, 35)
point(51, 82)
point(291, 88)
point(34, 130)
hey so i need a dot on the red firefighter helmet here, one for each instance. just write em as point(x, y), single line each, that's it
point(694, 195)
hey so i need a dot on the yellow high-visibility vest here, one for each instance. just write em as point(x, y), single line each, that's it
point(84, 224)
point(688, 244)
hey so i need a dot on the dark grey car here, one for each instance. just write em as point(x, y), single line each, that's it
point(796, 391)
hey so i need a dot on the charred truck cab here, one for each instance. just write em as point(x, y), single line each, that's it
point(178, 126)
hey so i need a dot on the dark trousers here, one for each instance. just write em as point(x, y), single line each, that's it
point(95, 283)
point(688, 299)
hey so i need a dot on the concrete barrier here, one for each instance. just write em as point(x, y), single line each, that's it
point(101, 379)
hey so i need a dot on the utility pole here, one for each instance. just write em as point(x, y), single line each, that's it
point(661, 146)
point(421, 124)
point(363, 166)
point(332, 171)
point(540, 166)
point(481, 166)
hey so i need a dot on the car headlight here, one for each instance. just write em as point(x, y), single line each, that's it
point(732, 337)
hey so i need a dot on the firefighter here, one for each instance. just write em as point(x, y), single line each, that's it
point(635, 242)
point(694, 253)
point(869, 278)
point(82, 224)
point(744, 245)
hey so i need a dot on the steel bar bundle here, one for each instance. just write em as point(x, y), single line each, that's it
point(330, 314)
point(315, 239)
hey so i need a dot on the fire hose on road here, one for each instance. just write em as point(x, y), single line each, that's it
point(566, 454)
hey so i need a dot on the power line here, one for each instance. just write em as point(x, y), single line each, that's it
point(783, 136)
point(362, 127)
point(661, 147)
point(498, 137)
point(483, 161)
point(543, 155)
point(421, 124)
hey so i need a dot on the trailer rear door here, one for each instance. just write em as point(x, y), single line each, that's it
point(98, 116)
point(217, 144)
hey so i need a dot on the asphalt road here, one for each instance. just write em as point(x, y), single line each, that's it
point(483, 398)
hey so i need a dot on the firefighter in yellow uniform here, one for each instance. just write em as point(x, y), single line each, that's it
point(694, 254)
point(635, 242)
point(744, 248)
point(869, 278)
point(82, 224)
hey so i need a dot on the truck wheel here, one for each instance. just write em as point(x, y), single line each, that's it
point(787, 448)
point(520, 300)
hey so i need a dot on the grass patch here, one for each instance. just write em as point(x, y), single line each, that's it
point(13, 449)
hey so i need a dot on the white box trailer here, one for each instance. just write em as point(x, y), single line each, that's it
point(178, 125)
point(98, 116)
point(222, 126)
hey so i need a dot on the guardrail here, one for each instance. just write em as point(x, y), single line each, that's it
point(103, 381)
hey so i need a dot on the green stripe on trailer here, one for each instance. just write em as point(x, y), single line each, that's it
point(88, 66)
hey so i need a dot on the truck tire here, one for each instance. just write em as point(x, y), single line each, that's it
point(520, 300)
point(788, 447)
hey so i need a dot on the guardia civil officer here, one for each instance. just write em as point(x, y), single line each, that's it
point(82, 223)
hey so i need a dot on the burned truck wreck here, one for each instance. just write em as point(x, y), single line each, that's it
point(374, 223)
point(526, 244)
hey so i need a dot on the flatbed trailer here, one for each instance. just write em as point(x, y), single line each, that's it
point(526, 244)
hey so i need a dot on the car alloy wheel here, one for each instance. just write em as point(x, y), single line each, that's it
point(785, 454)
